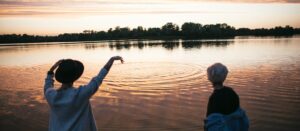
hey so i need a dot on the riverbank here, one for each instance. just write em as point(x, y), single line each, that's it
point(168, 31)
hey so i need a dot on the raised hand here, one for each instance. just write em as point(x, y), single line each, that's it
point(55, 65)
point(118, 58)
point(111, 61)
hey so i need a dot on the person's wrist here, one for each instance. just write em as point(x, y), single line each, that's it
point(112, 59)
point(50, 72)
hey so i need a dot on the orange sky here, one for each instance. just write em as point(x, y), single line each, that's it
point(51, 17)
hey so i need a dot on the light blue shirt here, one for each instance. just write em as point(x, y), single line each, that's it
point(236, 121)
point(70, 108)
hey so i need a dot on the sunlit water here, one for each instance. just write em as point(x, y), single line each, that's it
point(161, 86)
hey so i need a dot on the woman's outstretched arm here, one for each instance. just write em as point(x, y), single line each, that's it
point(88, 90)
point(110, 62)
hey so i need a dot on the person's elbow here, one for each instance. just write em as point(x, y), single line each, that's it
point(50, 95)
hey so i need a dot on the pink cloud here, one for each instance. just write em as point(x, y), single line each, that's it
point(82, 7)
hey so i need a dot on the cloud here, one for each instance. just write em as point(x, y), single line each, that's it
point(48, 8)
point(88, 7)
point(257, 1)
point(46, 2)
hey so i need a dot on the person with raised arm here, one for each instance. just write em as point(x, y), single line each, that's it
point(70, 108)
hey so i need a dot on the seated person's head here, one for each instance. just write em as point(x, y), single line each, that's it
point(217, 73)
point(69, 71)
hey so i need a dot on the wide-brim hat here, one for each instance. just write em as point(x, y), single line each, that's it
point(69, 71)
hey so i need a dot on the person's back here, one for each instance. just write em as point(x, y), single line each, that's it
point(223, 110)
point(69, 112)
point(70, 107)
point(224, 101)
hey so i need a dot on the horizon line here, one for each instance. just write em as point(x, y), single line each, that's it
point(145, 28)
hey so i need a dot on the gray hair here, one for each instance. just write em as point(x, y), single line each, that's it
point(217, 73)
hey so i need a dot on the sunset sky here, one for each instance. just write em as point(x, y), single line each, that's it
point(52, 17)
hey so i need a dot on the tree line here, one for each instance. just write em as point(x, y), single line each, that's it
point(188, 30)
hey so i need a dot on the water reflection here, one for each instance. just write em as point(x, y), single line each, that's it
point(161, 86)
point(157, 96)
point(222, 50)
point(92, 46)
point(167, 44)
point(119, 45)
point(124, 44)
point(198, 44)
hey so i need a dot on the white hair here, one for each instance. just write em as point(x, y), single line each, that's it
point(217, 73)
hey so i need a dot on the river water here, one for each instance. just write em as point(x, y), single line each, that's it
point(161, 86)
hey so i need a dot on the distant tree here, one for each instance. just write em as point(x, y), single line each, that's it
point(218, 30)
point(101, 35)
point(243, 31)
point(287, 30)
point(170, 29)
point(153, 32)
point(227, 30)
point(296, 31)
point(138, 32)
point(190, 29)
point(124, 32)
point(89, 31)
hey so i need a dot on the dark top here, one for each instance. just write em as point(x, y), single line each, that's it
point(224, 101)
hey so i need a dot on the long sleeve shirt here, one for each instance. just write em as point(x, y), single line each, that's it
point(70, 108)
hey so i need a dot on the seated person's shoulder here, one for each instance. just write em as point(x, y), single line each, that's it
point(225, 92)
point(228, 89)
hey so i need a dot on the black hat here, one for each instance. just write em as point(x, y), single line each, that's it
point(69, 71)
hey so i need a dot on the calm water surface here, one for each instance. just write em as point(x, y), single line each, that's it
point(161, 86)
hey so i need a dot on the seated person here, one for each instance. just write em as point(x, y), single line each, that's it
point(223, 110)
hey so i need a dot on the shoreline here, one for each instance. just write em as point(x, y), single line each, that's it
point(188, 30)
point(145, 39)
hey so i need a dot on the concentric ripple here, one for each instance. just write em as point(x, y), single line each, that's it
point(154, 76)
